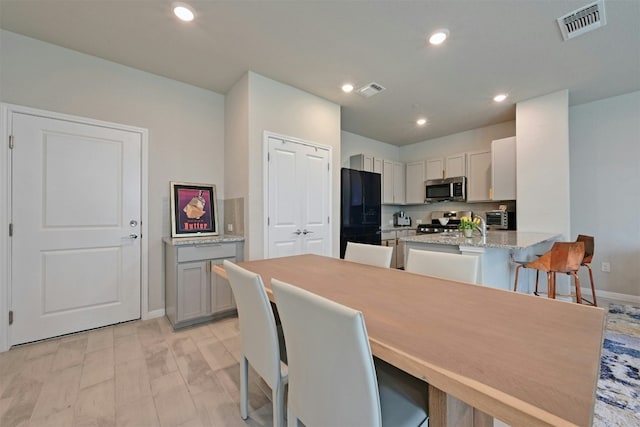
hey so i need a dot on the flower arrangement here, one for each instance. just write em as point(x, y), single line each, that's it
point(467, 223)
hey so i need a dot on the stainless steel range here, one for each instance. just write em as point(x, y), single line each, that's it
point(443, 222)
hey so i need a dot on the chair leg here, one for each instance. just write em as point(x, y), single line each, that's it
point(593, 287)
point(551, 285)
point(277, 397)
point(244, 387)
point(578, 290)
point(515, 283)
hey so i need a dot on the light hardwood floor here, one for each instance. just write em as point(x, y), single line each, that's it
point(138, 374)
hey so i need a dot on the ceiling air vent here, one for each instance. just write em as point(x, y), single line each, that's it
point(582, 20)
point(371, 89)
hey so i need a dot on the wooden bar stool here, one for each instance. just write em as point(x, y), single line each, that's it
point(564, 257)
point(589, 249)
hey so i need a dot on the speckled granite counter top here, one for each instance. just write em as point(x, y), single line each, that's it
point(494, 239)
point(206, 240)
point(397, 228)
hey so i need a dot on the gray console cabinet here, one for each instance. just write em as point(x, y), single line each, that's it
point(193, 293)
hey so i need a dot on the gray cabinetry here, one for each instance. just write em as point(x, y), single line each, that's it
point(193, 293)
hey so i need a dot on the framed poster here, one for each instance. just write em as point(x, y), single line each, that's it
point(194, 212)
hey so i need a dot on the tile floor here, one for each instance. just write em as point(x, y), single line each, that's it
point(138, 374)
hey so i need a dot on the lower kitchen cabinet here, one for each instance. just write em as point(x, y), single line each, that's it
point(193, 293)
point(392, 238)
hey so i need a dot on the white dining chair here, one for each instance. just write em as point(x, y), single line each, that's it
point(332, 376)
point(459, 267)
point(379, 256)
point(258, 339)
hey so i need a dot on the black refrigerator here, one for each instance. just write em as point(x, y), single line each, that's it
point(360, 208)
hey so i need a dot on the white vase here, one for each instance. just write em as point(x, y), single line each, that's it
point(468, 232)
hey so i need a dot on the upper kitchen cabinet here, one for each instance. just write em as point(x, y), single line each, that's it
point(503, 169)
point(365, 162)
point(415, 182)
point(434, 168)
point(393, 183)
point(455, 165)
point(447, 167)
point(479, 176)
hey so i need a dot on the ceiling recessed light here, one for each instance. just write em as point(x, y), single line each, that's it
point(500, 98)
point(421, 121)
point(347, 88)
point(183, 11)
point(439, 37)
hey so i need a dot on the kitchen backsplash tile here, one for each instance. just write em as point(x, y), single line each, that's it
point(423, 212)
point(234, 216)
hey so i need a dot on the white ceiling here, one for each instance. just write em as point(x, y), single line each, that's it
point(495, 46)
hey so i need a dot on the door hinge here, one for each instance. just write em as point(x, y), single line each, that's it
point(328, 220)
point(10, 142)
point(268, 221)
point(268, 157)
point(10, 317)
point(10, 229)
point(328, 166)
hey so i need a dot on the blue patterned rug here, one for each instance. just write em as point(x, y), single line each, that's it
point(618, 393)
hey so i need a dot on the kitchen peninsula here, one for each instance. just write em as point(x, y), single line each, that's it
point(496, 250)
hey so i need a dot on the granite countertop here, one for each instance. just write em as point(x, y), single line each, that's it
point(494, 239)
point(397, 227)
point(180, 241)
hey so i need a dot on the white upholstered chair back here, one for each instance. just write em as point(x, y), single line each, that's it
point(332, 376)
point(459, 267)
point(331, 372)
point(258, 338)
point(376, 255)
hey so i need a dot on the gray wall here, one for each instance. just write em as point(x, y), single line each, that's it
point(257, 104)
point(185, 123)
point(542, 152)
point(605, 193)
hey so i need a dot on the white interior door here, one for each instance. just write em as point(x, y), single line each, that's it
point(76, 212)
point(298, 199)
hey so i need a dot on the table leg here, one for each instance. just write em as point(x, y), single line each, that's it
point(447, 411)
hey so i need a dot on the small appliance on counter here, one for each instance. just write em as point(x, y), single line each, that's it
point(501, 220)
point(443, 222)
point(400, 220)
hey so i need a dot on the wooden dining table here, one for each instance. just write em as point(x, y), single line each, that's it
point(483, 352)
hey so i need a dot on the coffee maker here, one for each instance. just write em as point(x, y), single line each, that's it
point(400, 220)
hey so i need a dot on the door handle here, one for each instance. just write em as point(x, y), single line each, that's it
point(305, 232)
point(133, 236)
point(298, 232)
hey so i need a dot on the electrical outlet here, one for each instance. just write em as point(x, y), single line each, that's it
point(230, 228)
point(606, 267)
point(418, 221)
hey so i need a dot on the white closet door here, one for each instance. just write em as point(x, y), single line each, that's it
point(298, 199)
point(76, 192)
point(314, 192)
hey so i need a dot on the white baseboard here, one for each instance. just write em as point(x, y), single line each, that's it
point(613, 295)
point(153, 314)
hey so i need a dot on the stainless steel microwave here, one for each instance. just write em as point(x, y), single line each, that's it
point(447, 189)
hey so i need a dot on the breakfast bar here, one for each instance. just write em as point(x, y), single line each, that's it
point(497, 250)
